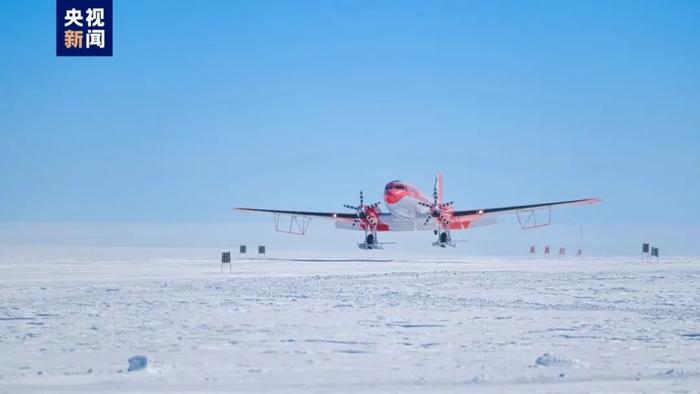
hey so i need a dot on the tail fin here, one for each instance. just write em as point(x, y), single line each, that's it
point(438, 187)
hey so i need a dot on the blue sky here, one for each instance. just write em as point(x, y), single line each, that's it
point(209, 105)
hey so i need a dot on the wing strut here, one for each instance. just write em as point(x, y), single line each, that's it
point(298, 224)
point(527, 218)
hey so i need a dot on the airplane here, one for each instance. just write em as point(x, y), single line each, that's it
point(410, 210)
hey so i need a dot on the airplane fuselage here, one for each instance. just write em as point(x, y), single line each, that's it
point(402, 200)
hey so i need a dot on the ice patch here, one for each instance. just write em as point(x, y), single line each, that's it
point(547, 360)
point(138, 363)
point(411, 325)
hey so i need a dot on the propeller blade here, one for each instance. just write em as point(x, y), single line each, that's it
point(350, 207)
point(427, 220)
point(362, 199)
point(445, 221)
point(435, 193)
point(424, 204)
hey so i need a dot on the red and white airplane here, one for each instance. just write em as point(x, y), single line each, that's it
point(410, 210)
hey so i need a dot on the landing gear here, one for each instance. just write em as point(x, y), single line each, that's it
point(444, 239)
point(370, 241)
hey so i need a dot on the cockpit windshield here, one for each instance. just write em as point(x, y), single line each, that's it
point(395, 185)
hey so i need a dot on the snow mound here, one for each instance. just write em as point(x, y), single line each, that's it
point(547, 360)
point(138, 363)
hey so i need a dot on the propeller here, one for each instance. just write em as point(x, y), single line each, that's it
point(438, 210)
point(362, 211)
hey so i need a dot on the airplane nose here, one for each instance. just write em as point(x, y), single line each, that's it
point(392, 196)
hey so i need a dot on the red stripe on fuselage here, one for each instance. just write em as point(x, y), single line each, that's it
point(394, 196)
point(396, 191)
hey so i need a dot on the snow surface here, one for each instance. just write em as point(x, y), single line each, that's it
point(70, 319)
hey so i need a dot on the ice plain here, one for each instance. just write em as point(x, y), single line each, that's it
point(70, 319)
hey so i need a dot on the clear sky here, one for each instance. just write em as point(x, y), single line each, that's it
point(209, 105)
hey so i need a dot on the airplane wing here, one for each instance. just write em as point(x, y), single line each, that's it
point(324, 215)
point(387, 222)
point(347, 221)
point(477, 213)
